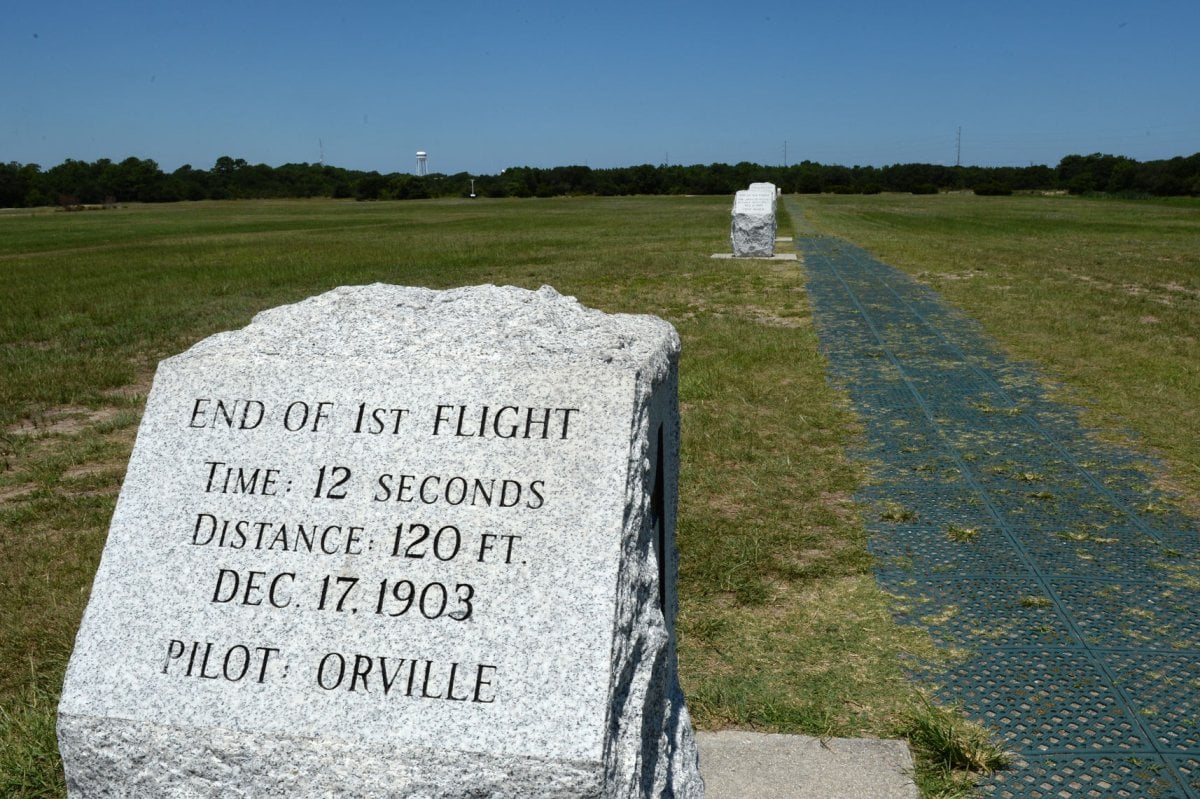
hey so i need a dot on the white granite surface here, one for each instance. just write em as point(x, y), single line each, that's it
point(394, 542)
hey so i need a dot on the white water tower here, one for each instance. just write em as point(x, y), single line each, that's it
point(422, 163)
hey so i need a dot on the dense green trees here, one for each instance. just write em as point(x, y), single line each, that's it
point(17, 184)
point(1081, 174)
point(75, 183)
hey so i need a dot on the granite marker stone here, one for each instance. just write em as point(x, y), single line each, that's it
point(394, 541)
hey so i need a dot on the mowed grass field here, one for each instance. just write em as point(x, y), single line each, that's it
point(781, 626)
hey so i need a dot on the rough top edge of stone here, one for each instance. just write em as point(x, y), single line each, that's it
point(486, 323)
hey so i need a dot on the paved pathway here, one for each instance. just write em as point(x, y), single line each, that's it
point(753, 765)
point(1011, 533)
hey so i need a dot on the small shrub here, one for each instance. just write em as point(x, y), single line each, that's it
point(993, 189)
point(925, 188)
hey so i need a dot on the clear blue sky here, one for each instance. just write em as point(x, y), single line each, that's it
point(483, 86)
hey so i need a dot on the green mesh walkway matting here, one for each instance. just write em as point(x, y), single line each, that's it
point(1011, 533)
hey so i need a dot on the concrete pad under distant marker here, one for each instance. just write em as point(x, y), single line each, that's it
point(751, 765)
point(779, 256)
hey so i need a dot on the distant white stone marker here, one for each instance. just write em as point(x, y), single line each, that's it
point(394, 542)
point(752, 229)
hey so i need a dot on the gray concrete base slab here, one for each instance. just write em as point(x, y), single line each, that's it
point(751, 765)
point(779, 256)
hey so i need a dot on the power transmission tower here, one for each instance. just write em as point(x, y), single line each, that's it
point(958, 148)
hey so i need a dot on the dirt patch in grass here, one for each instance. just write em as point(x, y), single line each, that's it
point(65, 420)
point(1177, 288)
point(8, 493)
point(765, 316)
point(138, 389)
point(91, 469)
point(964, 275)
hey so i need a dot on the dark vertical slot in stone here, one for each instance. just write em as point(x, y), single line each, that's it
point(657, 507)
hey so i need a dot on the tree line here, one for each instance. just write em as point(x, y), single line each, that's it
point(74, 184)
